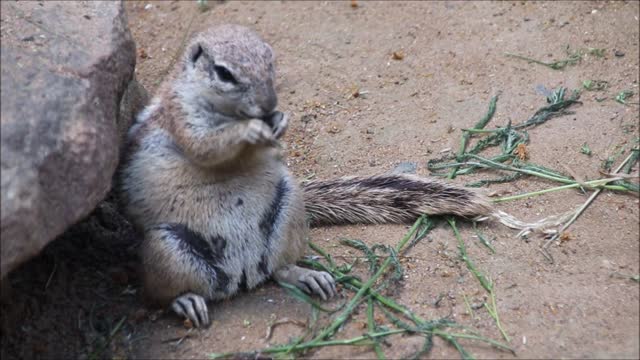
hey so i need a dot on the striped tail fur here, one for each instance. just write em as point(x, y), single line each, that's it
point(394, 199)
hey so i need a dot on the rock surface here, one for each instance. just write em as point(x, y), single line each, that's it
point(66, 67)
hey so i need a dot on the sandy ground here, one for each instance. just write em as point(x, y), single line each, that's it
point(409, 110)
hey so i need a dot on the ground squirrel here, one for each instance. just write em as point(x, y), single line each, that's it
point(204, 180)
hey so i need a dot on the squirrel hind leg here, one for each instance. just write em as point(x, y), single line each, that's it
point(310, 281)
point(182, 268)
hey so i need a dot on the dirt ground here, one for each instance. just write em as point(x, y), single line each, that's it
point(68, 305)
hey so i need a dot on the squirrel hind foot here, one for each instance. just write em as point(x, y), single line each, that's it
point(310, 281)
point(193, 307)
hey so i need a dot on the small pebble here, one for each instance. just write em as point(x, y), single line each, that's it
point(187, 324)
point(405, 167)
point(139, 315)
point(397, 55)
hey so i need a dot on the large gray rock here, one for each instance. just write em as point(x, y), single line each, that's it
point(65, 69)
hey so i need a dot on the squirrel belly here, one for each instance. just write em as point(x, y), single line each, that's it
point(210, 231)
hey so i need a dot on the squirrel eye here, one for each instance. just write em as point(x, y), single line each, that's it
point(196, 54)
point(224, 74)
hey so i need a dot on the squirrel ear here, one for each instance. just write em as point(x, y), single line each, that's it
point(196, 52)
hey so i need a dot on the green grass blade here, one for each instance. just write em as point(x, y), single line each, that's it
point(463, 254)
point(467, 135)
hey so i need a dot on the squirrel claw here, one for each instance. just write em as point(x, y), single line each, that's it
point(259, 133)
point(192, 307)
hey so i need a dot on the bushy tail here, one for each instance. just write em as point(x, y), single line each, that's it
point(388, 199)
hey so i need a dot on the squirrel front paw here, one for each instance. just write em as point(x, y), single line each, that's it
point(259, 133)
point(278, 121)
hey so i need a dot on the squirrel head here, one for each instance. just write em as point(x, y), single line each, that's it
point(231, 69)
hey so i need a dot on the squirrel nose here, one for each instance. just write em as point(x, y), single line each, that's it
point(269, 100)
point(269, 104)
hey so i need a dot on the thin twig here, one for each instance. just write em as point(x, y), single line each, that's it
point(580, 210)
point(280, 322)
point(55, 266)
point(593, 184)
point(179, 51)
point(538, 174)
point(178, 339)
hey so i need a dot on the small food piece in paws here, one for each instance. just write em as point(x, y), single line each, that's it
point(278, 121)
point(272, 118)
